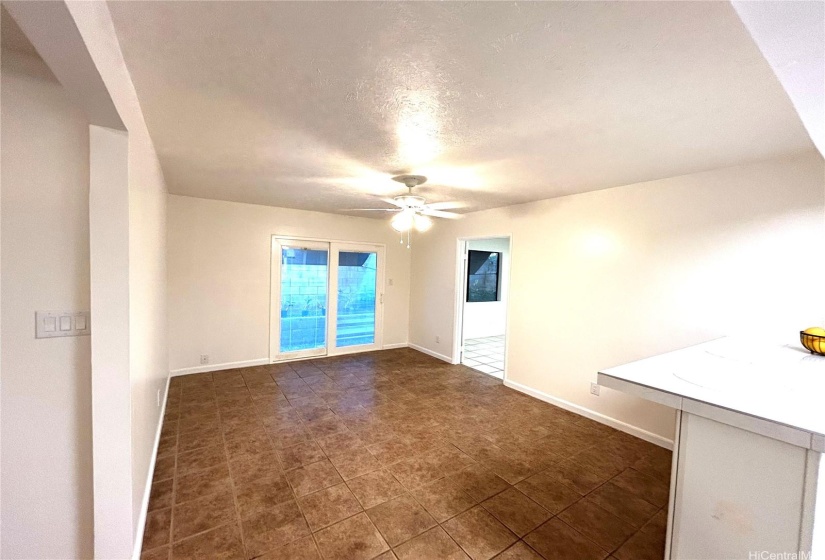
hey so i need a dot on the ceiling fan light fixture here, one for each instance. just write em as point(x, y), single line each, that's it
point(422, 223)
point(403, 221)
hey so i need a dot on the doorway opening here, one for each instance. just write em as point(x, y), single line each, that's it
point(326, 298)
point(484, 272)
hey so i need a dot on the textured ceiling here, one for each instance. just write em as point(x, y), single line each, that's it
point(316, 104)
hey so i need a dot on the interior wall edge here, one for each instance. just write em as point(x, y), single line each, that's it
point(432, 353)
point(219, 367)
point(592, 415)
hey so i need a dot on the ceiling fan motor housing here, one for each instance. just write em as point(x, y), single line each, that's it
point(410, 201)
point(410, 180)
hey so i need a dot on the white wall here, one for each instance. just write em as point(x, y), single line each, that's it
point(604, 278)
point(111, 384)
point(148, 341)
point(46, 396)
point(219, 266)
point(489, 318)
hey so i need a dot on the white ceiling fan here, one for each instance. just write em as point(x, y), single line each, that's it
point(413, 212)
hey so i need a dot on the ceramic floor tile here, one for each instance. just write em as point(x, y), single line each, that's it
point(352, 464)
point(479, 483)
point(161, 495)
point(202, 483)
point(273, 528)
point(161, 553)
point(480, 534)
point(516, 511)
point(432, 544)
point(164, 468)
point(158, 528)
point(548, 493)
point(313, 477)
point(648, 543)
point(203, 514)
point(354, 538)
point(340, 442)
point(200, 459)
point(400, 519)
point(559, 541)
point(375, 488)
point(246, 444)
point(301, 454)
point(302, 549)
point(597, 524)
point(328, 506)
point(519, 551)
point(223, 543)
point(577, 477)
point(252, 468)
point(644, 486)
point(262, 494)
point(390, 451)
point(444, 498)
point(623, 504)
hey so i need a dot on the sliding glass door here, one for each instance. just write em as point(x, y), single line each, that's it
point(326, 298)
point(303, 283)
point(355, 278)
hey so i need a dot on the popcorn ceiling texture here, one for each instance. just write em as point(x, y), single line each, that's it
point(316, 105)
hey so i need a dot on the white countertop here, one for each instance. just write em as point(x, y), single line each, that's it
point(781, 384)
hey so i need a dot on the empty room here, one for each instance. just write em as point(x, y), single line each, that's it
point(412, 280)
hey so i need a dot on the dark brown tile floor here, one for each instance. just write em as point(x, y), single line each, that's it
point(394, 454)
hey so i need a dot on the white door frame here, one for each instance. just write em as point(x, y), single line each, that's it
point(333, 246)
point(332, 304)
point(275, 293)
point(462, 244)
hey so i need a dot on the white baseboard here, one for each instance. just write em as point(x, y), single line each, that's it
point(593, 415)
point(218, 367)
point(144, 506)
point(394, 346)
point(429, 352)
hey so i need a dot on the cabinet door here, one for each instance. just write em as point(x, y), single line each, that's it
point(737, 493)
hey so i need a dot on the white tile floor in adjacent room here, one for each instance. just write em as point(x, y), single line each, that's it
point(485, 355)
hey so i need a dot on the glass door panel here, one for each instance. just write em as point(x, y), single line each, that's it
point(355, 321)
point(303, 285)
point(326, 298)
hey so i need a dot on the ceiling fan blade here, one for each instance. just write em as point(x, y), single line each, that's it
point(440, 214)
point(445, 205)
point(372, 210)
point(393, 202)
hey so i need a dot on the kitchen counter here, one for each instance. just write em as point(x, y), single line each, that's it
point(783, 385)
point(747, 449)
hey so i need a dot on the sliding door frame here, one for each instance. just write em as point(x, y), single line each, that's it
point(332, 328)
point(334, 246)
point(275, 294)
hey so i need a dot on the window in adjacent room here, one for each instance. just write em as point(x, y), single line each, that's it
point(483, 269)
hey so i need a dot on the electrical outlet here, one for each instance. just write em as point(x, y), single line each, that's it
point(438, 339)
point(204, 359)
point(594, 389)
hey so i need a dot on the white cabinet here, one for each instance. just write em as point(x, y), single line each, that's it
point(736, 492)
point(747, 480)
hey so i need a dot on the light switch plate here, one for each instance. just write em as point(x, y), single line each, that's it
point(52, 324)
